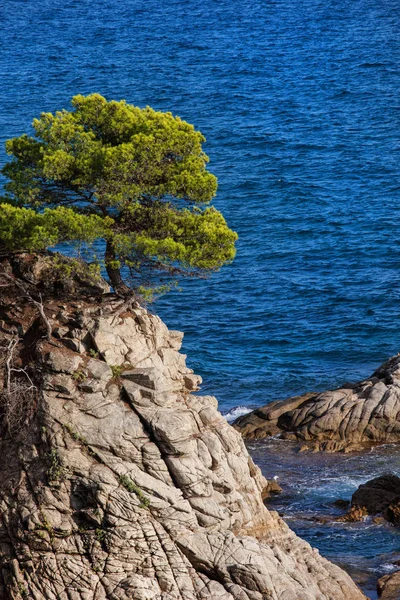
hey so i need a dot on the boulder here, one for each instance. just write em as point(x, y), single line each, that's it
point(378, 494)
point(389, 587)
point(57, 275)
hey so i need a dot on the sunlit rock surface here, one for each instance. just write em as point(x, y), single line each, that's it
point(117, 483)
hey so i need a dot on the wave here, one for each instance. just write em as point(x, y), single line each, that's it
point(236, 412)
point(389, 567)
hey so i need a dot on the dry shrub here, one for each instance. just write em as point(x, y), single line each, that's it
point(17, 405)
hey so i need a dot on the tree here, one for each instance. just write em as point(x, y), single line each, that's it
point(136, 178)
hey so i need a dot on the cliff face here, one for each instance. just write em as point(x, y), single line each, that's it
point(353, 417)
point(117, 483)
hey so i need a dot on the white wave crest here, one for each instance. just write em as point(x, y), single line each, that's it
point(236, 412)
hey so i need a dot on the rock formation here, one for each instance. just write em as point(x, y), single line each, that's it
point(353, 417)
point(117, 482)
point(377, 494)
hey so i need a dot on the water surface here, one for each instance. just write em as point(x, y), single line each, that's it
point(311, 484)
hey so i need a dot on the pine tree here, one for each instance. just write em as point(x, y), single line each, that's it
point(135, 178)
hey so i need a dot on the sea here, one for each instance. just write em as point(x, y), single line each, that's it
point(299, 102)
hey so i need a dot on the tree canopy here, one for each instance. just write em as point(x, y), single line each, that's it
point(135, 178)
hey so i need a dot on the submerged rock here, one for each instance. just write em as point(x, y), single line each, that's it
point(355, 514)
point(353, 417)
point(117, 483)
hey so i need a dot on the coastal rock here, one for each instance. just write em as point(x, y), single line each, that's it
point(271, 489)
point(389, 587)
point(69, 277)
point(353, 417)
point(118, 484)
point(377, 496)
point(355, 514)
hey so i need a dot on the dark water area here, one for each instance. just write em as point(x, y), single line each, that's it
point(311, 483)
point(299, 101)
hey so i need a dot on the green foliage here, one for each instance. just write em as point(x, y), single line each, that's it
point(117, 370)
point(56, 472)
point(149, 294)
point(78, 437)
point(45, 525)
point(136, 178)
point(101, 534)
point(196, 240)
point(79, 376)
point(26, 229)
point(22, 590)
point(73, 433)
point(134, 489)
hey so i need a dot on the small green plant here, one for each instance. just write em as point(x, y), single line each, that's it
point(56, 472)
point(131, 486)
point(79, 438)
point(68, 268)
point(149, 294)
point(93, 353)
point(117, 370)
point(74, 434)
point(22, 590)
point(101, 534)
point(79, 376)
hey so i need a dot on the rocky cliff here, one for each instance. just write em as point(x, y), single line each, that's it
point(354, 417)
point(117, 482)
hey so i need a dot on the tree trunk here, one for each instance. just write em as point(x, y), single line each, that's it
point(114, 274)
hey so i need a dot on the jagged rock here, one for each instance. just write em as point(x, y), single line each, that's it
point(341, 503)
point(121, 485)
point(392, 513)
point(192, 381)
point(353, 417)
point(271, 489)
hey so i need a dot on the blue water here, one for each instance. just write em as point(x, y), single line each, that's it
point(299, 101)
